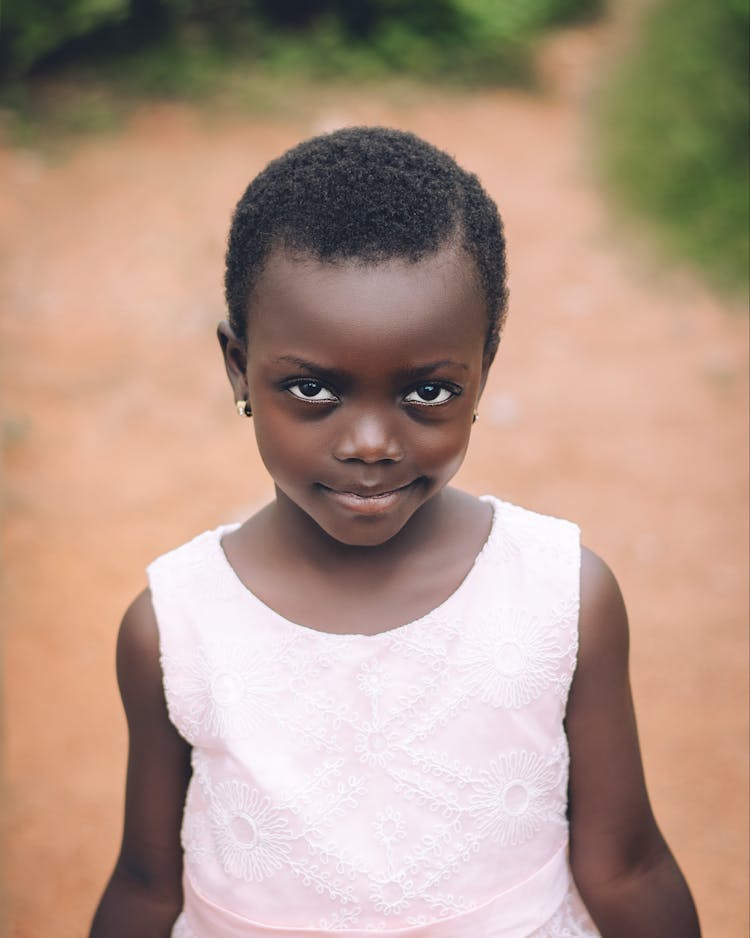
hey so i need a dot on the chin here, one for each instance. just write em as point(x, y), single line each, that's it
point(367, 534)
point(353, 524)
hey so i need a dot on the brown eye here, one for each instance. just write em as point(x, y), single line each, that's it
point(430, 394)
point(313, 391)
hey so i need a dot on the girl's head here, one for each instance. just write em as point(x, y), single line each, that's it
point(369, 194)
point(366, 289)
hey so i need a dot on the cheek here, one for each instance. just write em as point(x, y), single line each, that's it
point(444, 451)
point(287, 447)
point(273, 445)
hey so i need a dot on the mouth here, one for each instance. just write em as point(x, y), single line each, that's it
point(368, 501)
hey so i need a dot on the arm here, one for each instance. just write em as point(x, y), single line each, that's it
point(144, 894)
point(622, 866)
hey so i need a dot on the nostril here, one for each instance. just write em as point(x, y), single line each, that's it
point(368, 441)
point(370, 456)
point(370, 461)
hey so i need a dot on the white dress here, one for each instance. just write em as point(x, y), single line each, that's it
point(410, 784)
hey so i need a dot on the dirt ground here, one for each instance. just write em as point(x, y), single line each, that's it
point(619, 399)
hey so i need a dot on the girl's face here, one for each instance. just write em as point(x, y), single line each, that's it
point(363, 380)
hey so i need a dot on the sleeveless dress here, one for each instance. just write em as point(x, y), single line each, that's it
point(410, 784)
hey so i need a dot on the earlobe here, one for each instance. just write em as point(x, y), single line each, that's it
point(234, 351)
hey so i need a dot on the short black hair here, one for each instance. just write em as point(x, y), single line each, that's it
point(366, 193)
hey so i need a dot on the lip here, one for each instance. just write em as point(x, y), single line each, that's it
point(367, 501)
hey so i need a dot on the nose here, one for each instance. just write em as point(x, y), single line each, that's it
point(368, 438)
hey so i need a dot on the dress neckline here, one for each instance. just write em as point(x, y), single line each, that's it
point(246, 594)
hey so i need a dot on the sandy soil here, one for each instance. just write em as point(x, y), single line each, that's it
point(619, 399)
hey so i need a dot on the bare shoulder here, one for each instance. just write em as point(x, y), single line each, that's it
point(138, 664)
point(139, 675)
point(139, 631)
point(156, 747)
point(603, 620)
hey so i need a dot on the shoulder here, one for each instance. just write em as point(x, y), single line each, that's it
point(546, 547)
point(603, 621)
point(182, 562)
point(138, 627)
point(180, 582)
point(138, 637)
point(601, 683)
point(138, 658)
point(532, 524)
point(141, 680)
point(598, 583)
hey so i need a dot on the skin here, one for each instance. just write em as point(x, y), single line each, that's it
point(363, 381)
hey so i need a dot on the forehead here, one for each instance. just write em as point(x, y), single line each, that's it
point(390, 308)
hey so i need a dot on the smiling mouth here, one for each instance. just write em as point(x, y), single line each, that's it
point(367, 502)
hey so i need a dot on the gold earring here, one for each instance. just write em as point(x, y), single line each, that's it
point(475, 417)
point(243, 409)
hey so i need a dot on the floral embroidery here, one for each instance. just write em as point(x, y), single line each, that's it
point(346, 794)
point(252, 839)
point(366, 777)
point(373, 679)
point(195, 834)
point(314, 876)
point(226, 697)
point(392, 895)
point(340, 920)
point(444, 626)
point(374, 745)
point(511, 659)
point(511, 802)
point(389, 826)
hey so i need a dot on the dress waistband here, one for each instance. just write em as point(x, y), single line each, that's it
point(515, 913)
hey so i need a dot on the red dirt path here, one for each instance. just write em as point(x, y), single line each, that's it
point(619, 399)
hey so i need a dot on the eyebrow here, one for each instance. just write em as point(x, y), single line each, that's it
point(307, 365)
point(419, 371)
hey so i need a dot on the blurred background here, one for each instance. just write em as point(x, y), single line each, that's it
point(614, 137)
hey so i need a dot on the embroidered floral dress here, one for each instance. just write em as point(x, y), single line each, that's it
point(410, 784)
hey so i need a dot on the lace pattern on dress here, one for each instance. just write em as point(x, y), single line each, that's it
point(406, 766)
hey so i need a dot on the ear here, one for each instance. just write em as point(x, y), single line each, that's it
point(234, 351)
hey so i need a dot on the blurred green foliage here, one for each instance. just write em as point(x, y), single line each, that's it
point(676, 123)
point(478, 40)
point(31, 29)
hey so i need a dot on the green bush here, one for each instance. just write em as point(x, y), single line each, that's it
point(675, 132)
point(435, 37)
point(476, 40)
point(67, 66)
point(31, 29)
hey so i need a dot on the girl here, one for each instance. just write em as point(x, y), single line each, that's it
point(380, 704)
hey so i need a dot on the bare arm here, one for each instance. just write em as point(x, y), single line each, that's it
point(144, 894)
point(622, 866)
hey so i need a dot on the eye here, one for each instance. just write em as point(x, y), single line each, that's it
point(430, 394)
point(308, 389)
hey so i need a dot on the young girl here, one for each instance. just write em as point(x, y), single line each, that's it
point(380, 705)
